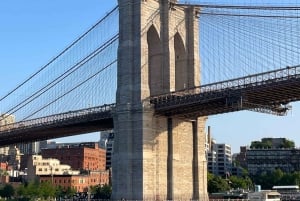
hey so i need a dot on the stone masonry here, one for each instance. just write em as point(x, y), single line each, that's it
point(156, 157)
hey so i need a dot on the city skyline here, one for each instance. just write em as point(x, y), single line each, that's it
point(34, 32)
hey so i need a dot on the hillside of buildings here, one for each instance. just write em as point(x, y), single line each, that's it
point(267, 162)
point(77, 168)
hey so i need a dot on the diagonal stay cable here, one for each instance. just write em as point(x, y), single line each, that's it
point(55, 58)
point(75, 87)
point(63, 76)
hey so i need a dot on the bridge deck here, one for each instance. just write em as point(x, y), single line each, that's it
point(59, 125)
point(268, 92)
point(265, 92)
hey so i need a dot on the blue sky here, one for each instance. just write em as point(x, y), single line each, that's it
point(34, 31)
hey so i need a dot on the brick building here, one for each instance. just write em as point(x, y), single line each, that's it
point(82, 156)
point(78, 182)
point(241, 158)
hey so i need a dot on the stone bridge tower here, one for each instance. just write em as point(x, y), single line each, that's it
point(157, 157)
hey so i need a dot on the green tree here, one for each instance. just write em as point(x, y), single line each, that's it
point(288, 144)
point(47, 190)
point(7, 191)
point(30, 190)
point(238, 182)
point(267, 144)
point(21, 191)
point(102, 192)
point(217, 184)
point(70, 192)
point(59, 192)
point(276, 178)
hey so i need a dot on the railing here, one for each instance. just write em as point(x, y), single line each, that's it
point(242, 82)
point(96, 112)
point(229, 199)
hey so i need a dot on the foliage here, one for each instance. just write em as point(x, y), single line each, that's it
point(47, 190)
point(60, 192)
point(261, 145)
point(216, 184)
point(70, 192)
point(102, 192)
point(276, 178)
point(36, 189)
point(288, 144)
point(7, 191)
point(266, 143)
point(240, 182)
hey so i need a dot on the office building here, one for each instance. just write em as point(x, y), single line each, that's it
point(81, 156)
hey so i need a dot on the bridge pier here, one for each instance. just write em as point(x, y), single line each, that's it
point(157, 157)
point(170, 187)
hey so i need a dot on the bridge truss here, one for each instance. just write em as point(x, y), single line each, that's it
point(268, 92)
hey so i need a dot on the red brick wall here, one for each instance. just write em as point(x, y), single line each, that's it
point(78, 182)
point(79, 157)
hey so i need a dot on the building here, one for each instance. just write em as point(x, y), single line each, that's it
point(14, 158)
point(267, 160)
point(241, 158)
point(270, 154)
point(219, 159)
point(29, 148)
point(4, 176)
point(49, 169)
point(212, 162)
point(80, 156)
point(78, 182)
point(107, 142)
point(39, 166)
point(5, 120)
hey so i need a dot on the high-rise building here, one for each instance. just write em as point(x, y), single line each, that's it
point(241, 158)
point(14, 157)
point(5, 120)
point(224, 159)
point(29, 148)
point(107, 143)
point(272, 153)
point(219, 159)
point(267, 160)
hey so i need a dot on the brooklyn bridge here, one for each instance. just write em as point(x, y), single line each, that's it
point(153, 71)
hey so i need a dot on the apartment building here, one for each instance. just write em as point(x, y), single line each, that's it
point(39, 166)
point(265, 160)
point(80, 183)
point(80, 156)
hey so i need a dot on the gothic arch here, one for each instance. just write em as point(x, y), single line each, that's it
point(154, 61)
point(181, 72)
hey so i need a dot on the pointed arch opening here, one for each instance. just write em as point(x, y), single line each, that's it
point(155, 60)
point(181, 70)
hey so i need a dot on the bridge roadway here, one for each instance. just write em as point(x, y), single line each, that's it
point(268, 92)
point(59, 125)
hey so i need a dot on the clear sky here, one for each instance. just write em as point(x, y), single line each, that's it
point(34, 31)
